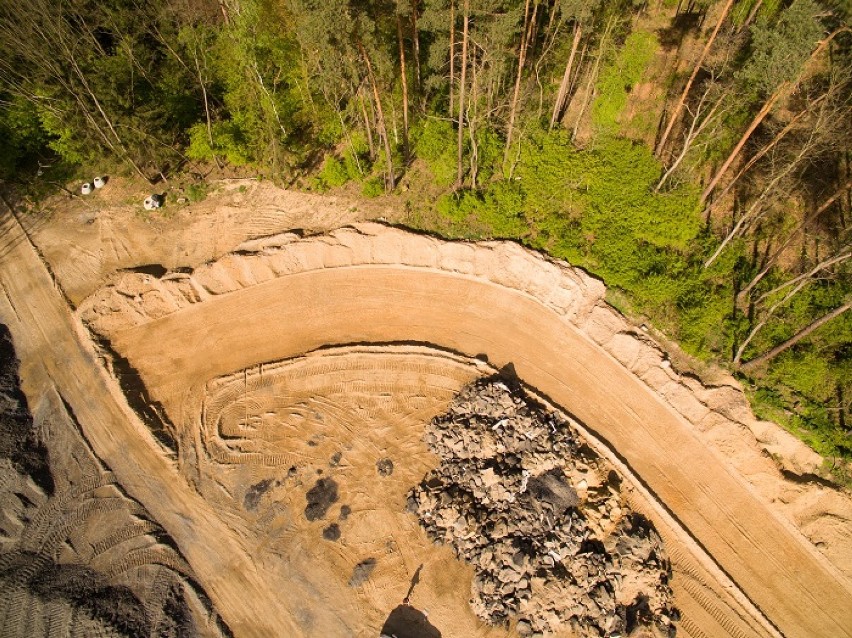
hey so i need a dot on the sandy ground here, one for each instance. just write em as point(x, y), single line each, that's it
point(87, 239)
point(222, 349)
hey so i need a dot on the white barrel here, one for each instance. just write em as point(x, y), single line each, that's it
point(99, 182)
point(86, 188)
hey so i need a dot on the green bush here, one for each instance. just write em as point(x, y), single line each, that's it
point(228, 142)
point(596, 208)
point(373, 187)
point(618, 78)
point(22, 135)
point(434, 142)
point(197, 192)
point(332, 174)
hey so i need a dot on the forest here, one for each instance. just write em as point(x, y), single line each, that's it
point(693, 154)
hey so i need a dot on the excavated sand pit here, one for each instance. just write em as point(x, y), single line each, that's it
point(305, 393)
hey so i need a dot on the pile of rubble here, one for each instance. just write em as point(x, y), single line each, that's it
point(539, 515)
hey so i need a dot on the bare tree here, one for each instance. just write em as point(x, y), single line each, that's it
point(770, 262)
point(383, 131)
point(763, 151)
point(526, 35)
point(452, 56)
point(700, 121)
point(758, 209)
point(404, 79)
point(782, 89)
point(561, 96)
point(795, 285)
point(593, 73)
point(796, 338)
point(682, 99)
point(415, 38)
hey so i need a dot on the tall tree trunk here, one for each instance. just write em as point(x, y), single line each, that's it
point(761, 115)
point(682, 99)
point(383, 131)
point(532, 37)
point(462, 83)
point(402, 74)
point(415, 39)
point(452, 56)
point(224, 9)
point(471, 126)
point(764, 111)
point(513, 109)
point(559, 104)
point(206, 108)
point(593, 74)
point(796, 338)
point(367, 126)
point(780, 250)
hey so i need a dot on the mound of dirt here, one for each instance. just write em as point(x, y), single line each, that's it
point(539, 515)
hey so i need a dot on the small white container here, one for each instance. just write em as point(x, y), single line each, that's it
point(99, 182)
point(152, 202)
point(86, 188)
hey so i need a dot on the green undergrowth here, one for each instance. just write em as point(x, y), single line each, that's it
point(619, 77)
point(596, 208)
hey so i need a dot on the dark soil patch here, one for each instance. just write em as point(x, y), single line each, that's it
point(320, 497)
point(332, 532)
point(255, 492)
point(362, 572)
point(18, 440)
point(384, 467)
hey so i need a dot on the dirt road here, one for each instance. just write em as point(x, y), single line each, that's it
point(47, 334)
point(784, 577)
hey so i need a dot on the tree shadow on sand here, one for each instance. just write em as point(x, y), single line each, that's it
point(407, 622)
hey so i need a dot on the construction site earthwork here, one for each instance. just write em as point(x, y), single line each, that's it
point(273, 413)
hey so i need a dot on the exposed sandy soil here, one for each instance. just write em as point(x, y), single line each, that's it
point(77, 556)
point(87, 239)
point(270, 467)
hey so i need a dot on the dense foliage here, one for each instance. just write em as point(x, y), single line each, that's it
point(708, 186)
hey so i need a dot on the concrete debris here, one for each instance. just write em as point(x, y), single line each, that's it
point(521, 497)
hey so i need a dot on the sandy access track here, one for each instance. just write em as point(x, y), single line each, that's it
point(49, 337)
point(283, 296)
